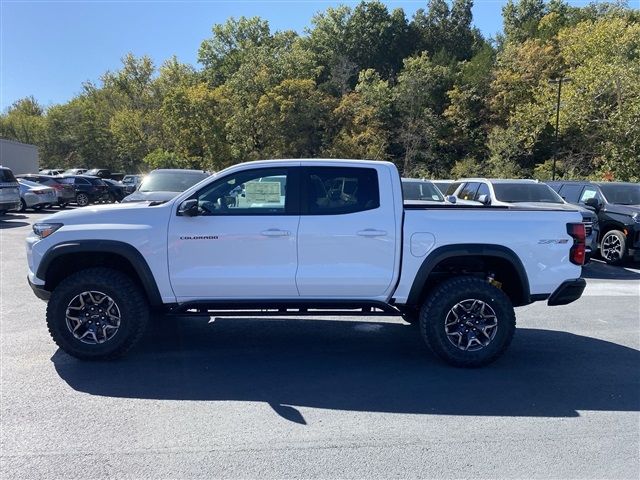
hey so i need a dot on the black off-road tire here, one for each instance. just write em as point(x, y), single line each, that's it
point(619, 244)
point(411, 317)
point(443, 298)
point(131, 302)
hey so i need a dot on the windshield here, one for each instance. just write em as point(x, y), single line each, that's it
point(526, 192)
point(93, 171)
point(170, 181)
point(622, 194)
point(421, 191)
point(129, 179)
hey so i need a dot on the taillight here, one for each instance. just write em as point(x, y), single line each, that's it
point(578, 251)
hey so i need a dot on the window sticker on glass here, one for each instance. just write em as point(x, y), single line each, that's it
point(262, 192)
point(587, 194)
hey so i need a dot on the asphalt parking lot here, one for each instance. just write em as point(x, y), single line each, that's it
point(323, 398)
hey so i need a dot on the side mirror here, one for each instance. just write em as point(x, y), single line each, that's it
point(592, 203)
point(451, 198)
point(484, 199)
point(189, 208)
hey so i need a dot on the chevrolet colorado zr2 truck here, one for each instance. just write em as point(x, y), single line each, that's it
point(303, 237)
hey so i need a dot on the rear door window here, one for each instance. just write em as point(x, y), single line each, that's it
point(339, 190)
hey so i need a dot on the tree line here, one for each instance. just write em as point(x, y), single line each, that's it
point(429, 93)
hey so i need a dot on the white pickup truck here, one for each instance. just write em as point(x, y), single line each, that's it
point(303, 237)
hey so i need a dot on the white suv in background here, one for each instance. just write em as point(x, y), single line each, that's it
point(9, 191)
point(523, 193)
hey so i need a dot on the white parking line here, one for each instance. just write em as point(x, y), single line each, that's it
point(623, 288)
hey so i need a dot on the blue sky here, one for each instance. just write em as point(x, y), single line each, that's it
point(48, 48)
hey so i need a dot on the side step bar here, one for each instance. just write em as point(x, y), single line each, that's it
point(237, 308)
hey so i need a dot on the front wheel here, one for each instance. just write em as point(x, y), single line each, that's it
point(82, 199)
point(97, 314)
point(613, 247)
point(467, 322)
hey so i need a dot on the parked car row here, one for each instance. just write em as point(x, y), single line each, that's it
point(61, 188)
point(610, 210)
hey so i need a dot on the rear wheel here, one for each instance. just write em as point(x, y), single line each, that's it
point(97, 314)
point(467, 322)
point(82, 199)
point(613, 247)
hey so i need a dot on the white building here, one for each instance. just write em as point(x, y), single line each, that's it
point(19, 157)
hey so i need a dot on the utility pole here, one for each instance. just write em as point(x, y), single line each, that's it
point(559, 81)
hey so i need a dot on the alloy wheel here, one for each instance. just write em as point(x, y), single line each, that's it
point(93, 317)
point(471, 325)
point(611, 247)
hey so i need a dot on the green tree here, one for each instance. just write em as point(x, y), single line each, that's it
point(293, 117)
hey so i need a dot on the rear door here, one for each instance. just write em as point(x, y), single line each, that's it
point(346, 238)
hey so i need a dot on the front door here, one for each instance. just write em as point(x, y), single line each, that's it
point(242, 244)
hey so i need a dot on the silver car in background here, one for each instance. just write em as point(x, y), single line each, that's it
point(35, 196)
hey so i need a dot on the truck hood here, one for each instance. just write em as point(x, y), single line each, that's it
point(113, 213)
point(150, 196)
point(623, 209)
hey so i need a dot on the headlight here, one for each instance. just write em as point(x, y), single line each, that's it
point(636, 217)
point(43, 230)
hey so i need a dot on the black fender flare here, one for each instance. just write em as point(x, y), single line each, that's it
point(467, 250)
point(123, 249)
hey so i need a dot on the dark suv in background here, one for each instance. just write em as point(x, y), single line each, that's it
point(618, 207)
point(88, 189)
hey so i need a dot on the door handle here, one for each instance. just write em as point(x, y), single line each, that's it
point(275, 232)
point(370, 232)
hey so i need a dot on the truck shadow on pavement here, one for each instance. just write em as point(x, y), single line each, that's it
point(12, 220)
point(600, 270)
point(372, 366)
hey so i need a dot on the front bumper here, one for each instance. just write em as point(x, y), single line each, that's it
point(568, 291)
point(39, 290)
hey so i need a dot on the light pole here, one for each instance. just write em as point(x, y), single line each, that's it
point(559, 81)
